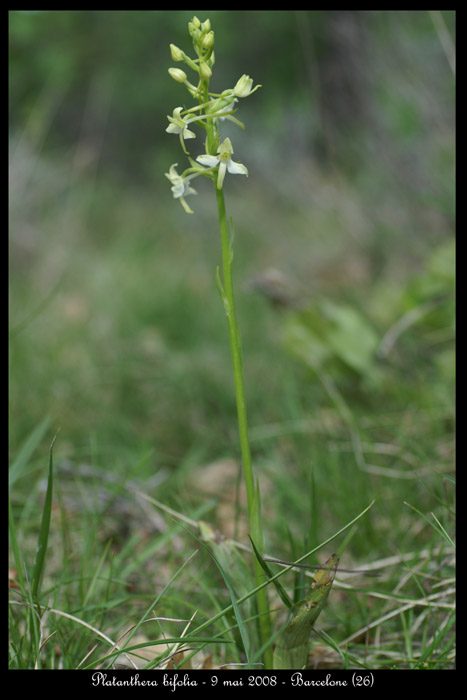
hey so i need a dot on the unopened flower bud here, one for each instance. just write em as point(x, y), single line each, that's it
point(176, 53)
point(193, 27)
point(208, 40)
point(243, 86)
point(178, 75)
point(206, 26)
point(204, 71)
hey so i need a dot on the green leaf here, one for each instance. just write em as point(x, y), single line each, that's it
point(350, 336)
point(291, 650)
point(327, 333)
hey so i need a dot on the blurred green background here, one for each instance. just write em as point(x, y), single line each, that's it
point(117, 330)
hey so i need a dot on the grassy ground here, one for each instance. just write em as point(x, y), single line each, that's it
point(118, 339)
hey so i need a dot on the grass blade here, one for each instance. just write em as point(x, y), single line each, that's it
point(22, 458)
point(280, 589)
point(437, 526)
point(15, 547)
point(39, 560)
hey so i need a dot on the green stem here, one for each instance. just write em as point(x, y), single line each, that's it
point(252, 493)
point(235, 350)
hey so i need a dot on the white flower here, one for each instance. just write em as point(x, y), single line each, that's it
point(224, 161)
point(180, 187)
point(178, 125)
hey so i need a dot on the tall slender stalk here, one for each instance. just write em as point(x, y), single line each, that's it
point(252, 493)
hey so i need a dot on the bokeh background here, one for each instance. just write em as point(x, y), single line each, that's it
point(344, 229)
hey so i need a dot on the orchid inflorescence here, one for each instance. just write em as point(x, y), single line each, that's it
point(210, 110)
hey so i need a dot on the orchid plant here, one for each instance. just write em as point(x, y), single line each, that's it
point(216, 161)
point(210, 110)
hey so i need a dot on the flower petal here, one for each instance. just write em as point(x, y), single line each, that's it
point(173, 129)
point(237, 168)
point(210, 161)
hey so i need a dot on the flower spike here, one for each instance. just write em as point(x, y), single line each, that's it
point(211, 110)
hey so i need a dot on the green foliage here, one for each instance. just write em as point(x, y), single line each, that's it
point(327, 332)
